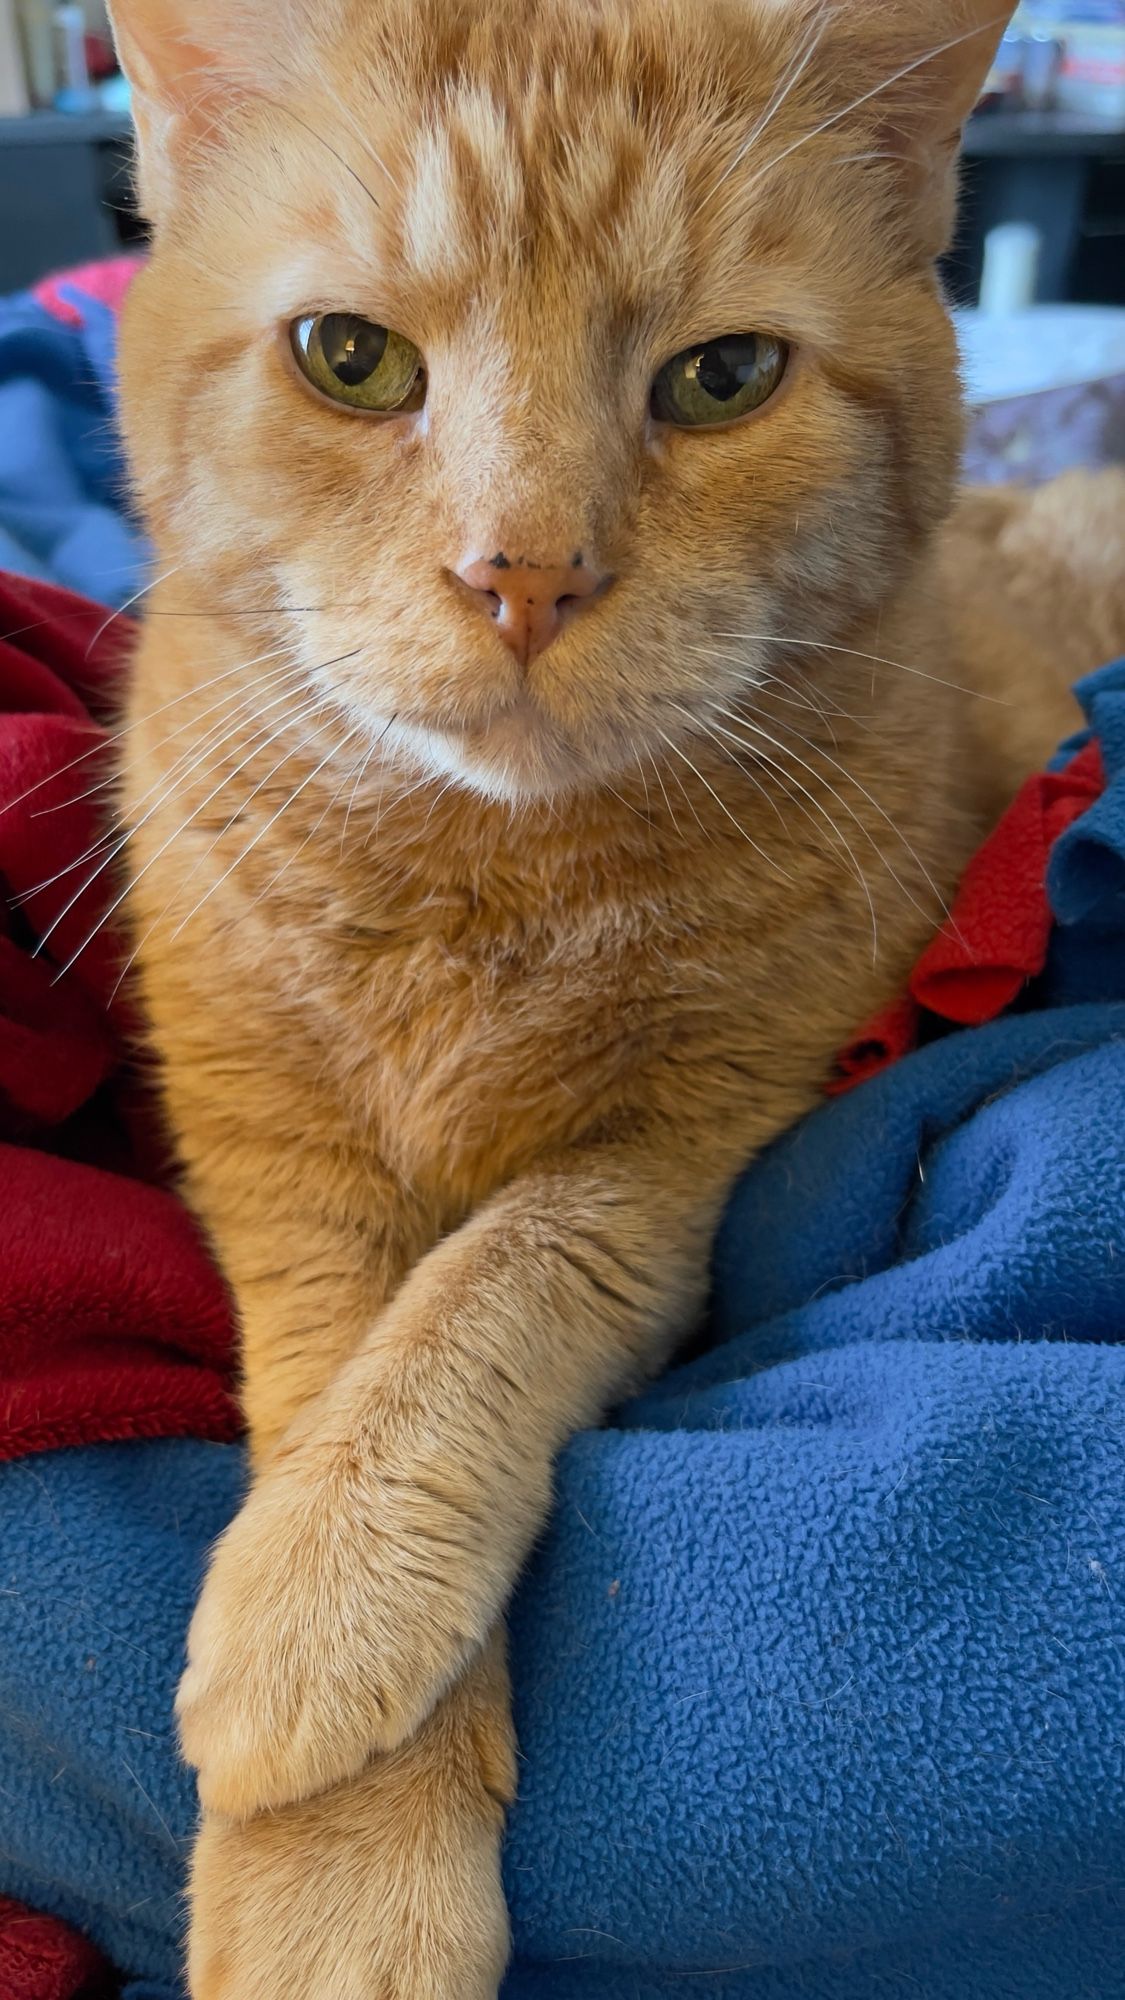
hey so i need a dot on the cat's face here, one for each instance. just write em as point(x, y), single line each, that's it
point(547, 205)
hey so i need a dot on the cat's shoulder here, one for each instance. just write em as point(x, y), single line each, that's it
point(1034, 580)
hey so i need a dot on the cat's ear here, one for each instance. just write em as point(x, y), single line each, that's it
point(917, 68)
point(188, 62)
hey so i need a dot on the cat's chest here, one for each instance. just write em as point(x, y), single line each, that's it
point(467, 1046)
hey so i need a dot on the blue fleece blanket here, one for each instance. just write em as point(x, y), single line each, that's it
point(820, 1669)
point(63, 514)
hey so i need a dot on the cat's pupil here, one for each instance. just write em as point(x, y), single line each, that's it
point(724, 367)
point(352, 347)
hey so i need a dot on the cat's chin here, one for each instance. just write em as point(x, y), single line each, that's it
point(512, 758)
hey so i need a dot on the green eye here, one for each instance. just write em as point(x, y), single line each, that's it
point(357, 363)
point(719, 380)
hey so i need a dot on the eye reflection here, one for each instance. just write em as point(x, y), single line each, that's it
point(720, 380)
point(358, 363)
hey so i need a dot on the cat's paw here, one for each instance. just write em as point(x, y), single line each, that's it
point(387, 1888)
point(337, 1610)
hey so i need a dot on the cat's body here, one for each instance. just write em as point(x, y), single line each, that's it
point(476, 979)
point(464, 985)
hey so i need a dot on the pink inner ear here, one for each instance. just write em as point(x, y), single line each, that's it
point(925, 62)
point(159, 46)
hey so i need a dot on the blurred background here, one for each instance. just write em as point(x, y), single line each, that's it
point(1037, 272)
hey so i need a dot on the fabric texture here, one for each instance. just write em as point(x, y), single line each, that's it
point(998, 933)
point(42, 1960)
point(113, 1321)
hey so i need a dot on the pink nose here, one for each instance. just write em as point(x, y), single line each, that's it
point(529, 602)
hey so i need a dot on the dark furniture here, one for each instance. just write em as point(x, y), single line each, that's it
point(1066, 174)
point(65, 193)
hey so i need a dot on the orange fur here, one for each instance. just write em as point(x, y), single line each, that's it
point(474, 986)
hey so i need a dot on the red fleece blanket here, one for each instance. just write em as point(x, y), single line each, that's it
point(113, 1321)
point(997, 933)
point(41, 1959)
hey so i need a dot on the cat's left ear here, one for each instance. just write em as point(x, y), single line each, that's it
point(918, 68)
point(188, 62)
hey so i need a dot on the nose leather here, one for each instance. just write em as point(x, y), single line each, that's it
point(529, 603)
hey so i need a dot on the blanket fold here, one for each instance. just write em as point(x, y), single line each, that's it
point(113, 1321)
point(42, 1960)
point(63, 515)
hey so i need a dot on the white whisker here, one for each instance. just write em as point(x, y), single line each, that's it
point(129, 602)
point(677, 829)
point(197, 864)
point(166, 786)
point(768, 684)
point(888, 82)
point(637, 814)
point(714, 731)
point(106, 742)
point(314, 829)
point(130, 834)
point(271, 822)
point(786, 778)
point(804, 55)
point(107, 784)
point(786, 750)
point(399, 799)
point(854, 652)
point(724, 808)
point(361, 773)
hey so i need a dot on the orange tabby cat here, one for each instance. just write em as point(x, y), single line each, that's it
point(543, 754)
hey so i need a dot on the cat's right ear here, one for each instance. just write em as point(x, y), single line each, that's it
point(187, 62)
point(916, 68)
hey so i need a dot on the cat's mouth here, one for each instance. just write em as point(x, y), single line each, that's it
point(518, 751)
point(520, 738)
point(516, 725)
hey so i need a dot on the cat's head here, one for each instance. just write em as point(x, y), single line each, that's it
point(537, 364)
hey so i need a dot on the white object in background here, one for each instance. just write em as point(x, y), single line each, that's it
point(1011, 266)
point(1048, 347)
point(14, 99)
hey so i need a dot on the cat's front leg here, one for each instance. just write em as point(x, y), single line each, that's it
point(387, 1888)
point(314, 1238)
point(382, 1541)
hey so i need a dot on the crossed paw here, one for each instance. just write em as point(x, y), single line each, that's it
point(338, 1609)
